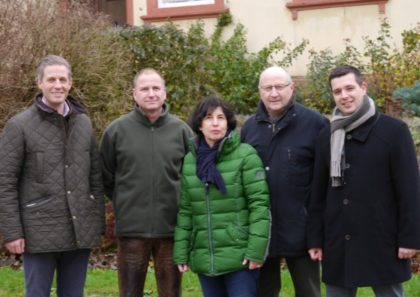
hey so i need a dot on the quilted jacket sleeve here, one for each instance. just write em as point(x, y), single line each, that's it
point(12, 153)
point(256, 192)
point(183, 228)
point(96, 185)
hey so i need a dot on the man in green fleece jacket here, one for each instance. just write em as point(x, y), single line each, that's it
point(142, 154)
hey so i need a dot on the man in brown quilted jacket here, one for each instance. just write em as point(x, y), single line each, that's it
point(51, 196)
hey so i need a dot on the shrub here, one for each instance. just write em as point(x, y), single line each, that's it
point(234, 71)
point(385, 67)
point(388, 67)
point(194, 66)
point(178, 55)
point(315, 92)
point(410, 97)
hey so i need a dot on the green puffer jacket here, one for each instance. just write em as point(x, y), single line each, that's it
point(216, 231)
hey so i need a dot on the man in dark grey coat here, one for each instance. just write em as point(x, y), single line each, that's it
point(284, 134)
point(364, 220)
point(51, 197)
point(142, 154)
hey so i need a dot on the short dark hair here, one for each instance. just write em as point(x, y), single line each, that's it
point(208, 105)
point(344, 70)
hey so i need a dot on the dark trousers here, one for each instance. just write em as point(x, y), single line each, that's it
point(241, 283)
point(380, 291)
point(305, 275)
point(133, 260)
point(70, 270)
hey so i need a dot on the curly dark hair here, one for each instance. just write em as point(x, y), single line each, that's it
point(208, 105)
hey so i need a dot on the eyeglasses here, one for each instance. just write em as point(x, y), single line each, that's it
point(278, 88)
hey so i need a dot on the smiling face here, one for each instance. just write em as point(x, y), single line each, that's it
point(348, 94)
point(149, 92)
point(214, 126)
point(55, 85)
point(276, 90)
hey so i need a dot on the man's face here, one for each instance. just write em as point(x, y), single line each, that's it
point(55, 85)
point(276, 91)
point(149, 92)
point(348, 94)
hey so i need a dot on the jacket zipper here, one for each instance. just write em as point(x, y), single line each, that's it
point(152, 130)
point(209, 229)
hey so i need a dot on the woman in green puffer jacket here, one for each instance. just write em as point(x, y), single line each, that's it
point(223, 224)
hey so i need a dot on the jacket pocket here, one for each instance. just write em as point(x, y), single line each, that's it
point(37, 203)
point(299, 167)
point(236, 232)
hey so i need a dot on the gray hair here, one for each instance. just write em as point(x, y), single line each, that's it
point(51, 60)
point(147, 71)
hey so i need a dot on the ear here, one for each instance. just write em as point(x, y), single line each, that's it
point(364, 87)
point(292, 86)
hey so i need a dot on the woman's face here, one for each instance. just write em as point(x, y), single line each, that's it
point(214, 126)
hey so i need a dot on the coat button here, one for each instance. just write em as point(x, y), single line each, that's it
point(347, 166)
point(66, 166)
point(269, 126)
point(347, 237)
point(267, 168)
point(346, 201)
point(68, 192)
point(348, 136)
point(73, 217)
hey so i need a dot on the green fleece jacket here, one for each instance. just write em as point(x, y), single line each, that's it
point(141, 165)
point(216, 231)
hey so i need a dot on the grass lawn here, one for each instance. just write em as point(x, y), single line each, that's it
point(103, 283)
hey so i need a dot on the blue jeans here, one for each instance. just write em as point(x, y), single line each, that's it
point(380, 291)
point(242, 283)
point(71, 269)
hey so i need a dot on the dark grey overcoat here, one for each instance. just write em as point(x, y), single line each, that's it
point(51, 191)
point(361, 225)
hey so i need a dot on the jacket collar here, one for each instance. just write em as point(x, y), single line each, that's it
point(141, 117)
point(262, 113)
point(75, 106)
point(361, 133)
point(289, 115)
point(227, 144)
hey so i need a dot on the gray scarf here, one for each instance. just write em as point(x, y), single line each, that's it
point(340, 124)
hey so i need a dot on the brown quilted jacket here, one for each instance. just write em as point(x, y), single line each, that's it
point(50, 180)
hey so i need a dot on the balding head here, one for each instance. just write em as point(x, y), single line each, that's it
point(275, 71)
point(276, 90)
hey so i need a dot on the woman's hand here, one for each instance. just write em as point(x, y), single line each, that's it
point(183, 267)
point(252, 264)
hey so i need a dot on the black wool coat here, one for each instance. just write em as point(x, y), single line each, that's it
point(361, 225)
point(287, 150)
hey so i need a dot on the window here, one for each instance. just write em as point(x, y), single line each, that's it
point(160, 10)
point(297, 5)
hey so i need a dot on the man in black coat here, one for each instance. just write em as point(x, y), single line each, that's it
point(284, 133)
point(364, 219)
